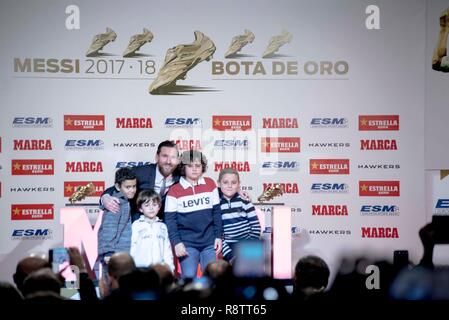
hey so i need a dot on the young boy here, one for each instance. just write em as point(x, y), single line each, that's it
point(239, 216)
point(149, 241)
point(193, 217)
point(114, 234)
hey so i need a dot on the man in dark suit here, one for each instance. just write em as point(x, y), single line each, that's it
point(157, 176)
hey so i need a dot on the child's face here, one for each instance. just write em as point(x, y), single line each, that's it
point(229, 184)
point(150, 209)
point(194, 170)
point(128, 188)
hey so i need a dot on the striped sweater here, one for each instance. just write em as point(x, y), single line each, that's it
point(192, 213)
point(239, 222)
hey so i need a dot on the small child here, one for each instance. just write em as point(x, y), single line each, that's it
point(114, 234)
point(239, 216)
point(193, 217)
point(149, 242)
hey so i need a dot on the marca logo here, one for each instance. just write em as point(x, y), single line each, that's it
point(379, 232)
point(182, 122)
point(32, 122)
point(32, 167)
point(131, 164)
point(233, 123)
point(239, 166)
point(86, 166)
point(134, 145)
point(329, 188)
point(32, 189)
point(71, 186)
point(84, 122)
point(280, 123)
point(329, 232)
point(84, 145)
point(133, 123)
point(379, 188)
point(379, 166)
point(281, 165)
point(31, 234)
point(378, 210)
point(379, 123)
point(32, 211)
point(281, 144)
point(329, 123)
point(329, 166)
point(329, 210)
point(32, 145)
point(184, 145)
point(378, 145)
point(286, 187)
point(234, 144)
point(329, 145)
point(442, 207)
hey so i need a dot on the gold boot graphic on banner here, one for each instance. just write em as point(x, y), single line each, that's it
point(99, 41)
point(180, 59)
point(440, 61)
point(238, 42)
point(137, 41)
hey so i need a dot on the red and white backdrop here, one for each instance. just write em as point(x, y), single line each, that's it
point(336, 116)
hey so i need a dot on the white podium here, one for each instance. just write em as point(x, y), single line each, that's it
point(281, 238)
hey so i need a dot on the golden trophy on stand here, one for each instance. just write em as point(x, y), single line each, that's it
point(82, 192)
point(280, 230)
point(271, 192)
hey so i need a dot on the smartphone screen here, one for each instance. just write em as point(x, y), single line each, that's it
point(251, 259)
point(400, 258)
point(60, 260)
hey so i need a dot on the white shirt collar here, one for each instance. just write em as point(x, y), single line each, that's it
point(186, 184)
point(145, 219)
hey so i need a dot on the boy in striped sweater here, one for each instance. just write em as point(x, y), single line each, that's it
point(239, 216)
point(192, 215)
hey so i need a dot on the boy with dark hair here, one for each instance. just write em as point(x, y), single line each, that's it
point(114, 234)
point(193, 217)
point(149, 242)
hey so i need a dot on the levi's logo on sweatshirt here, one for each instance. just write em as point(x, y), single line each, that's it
point(196, 202)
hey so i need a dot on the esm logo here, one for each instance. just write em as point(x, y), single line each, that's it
point(32, 122)
point(379, 210)
point(182, 122)
point(31, 234)
point(281, 165)
point(84, 145)
point(329, 188)
point(329, 123)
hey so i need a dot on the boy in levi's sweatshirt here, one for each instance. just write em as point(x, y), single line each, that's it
point(193, 216)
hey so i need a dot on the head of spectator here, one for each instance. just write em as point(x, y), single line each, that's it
point(311, 276)
point(9, 293)
point(43, 283)
point(166, 277)
point(26, 266)
point(120, 264)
